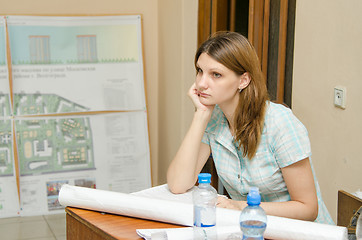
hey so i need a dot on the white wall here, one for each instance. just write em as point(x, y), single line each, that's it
point(327, 53)
point(178, 40)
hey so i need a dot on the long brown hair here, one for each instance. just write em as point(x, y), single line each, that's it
point(235, 52)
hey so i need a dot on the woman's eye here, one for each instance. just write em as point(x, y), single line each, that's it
point(217, 75)
point(199, 70)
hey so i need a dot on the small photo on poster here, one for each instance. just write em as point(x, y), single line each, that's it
point(53, 189)
point(85, 182)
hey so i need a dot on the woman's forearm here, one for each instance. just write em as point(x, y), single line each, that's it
point(289, 209)
point(183, 170)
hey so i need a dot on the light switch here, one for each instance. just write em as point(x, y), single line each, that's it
point(340, 97)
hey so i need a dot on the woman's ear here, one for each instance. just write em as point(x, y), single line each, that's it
point(245, 79)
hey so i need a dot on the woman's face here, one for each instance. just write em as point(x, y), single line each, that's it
point(216, 84)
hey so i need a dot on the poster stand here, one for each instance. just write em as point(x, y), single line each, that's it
point(76, 108)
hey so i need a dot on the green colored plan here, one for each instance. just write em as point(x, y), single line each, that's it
point(6, 149)
point(38, 104)
point(47, 145)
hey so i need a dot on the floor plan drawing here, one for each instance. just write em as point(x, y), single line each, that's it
point(72, 109)
point(6, 149)
point(4, 105)
point(51, 144)
point(40, 103)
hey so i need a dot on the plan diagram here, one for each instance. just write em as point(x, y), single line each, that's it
point(37, 104)
point(72, 109)
point(6, 149)
point(47, 145)
point(4, 105)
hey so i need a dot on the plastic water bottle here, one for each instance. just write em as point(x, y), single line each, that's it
point(253, 218)
point(204, 200)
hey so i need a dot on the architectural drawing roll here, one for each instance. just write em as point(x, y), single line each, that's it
point(126, 204)
point(153, 204)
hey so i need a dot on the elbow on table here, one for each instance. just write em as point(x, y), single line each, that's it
point(312, 213)
point(178, 186)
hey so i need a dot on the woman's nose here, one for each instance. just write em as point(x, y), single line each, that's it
point(202, 82)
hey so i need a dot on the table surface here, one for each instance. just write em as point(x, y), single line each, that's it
point(113, 226)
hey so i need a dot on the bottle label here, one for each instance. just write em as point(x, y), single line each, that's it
point(204, 216)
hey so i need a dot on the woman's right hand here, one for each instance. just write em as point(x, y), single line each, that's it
point(194, 95)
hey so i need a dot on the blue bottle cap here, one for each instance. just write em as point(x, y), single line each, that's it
point(204, 178)
point(253, 197)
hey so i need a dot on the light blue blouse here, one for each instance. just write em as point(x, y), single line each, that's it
point(284, 141)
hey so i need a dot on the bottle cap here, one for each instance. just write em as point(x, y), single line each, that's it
point(204, 178)
point(253, 197)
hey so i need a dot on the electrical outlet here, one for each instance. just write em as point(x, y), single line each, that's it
point(340, 95)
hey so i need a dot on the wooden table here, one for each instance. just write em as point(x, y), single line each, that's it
point(348, 204)
point(93, 225)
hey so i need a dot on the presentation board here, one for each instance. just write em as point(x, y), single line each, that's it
point(73, 109)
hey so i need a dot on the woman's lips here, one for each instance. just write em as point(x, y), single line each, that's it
point(203, 94)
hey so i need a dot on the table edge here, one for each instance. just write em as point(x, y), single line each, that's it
point(96, 229)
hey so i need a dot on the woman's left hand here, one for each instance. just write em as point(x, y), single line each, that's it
point(224, 202)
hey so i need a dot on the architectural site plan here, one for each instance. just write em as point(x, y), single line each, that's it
point(72, 109)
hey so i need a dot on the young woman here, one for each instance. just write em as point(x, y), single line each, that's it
point(253, 141)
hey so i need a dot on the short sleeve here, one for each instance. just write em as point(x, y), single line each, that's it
point(205, 139)
point(290, 137)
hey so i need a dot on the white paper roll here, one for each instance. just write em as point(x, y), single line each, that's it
point(126, 204)
point(181, 213)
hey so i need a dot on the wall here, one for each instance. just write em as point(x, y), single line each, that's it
point(178, 38)
point(328, 53)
